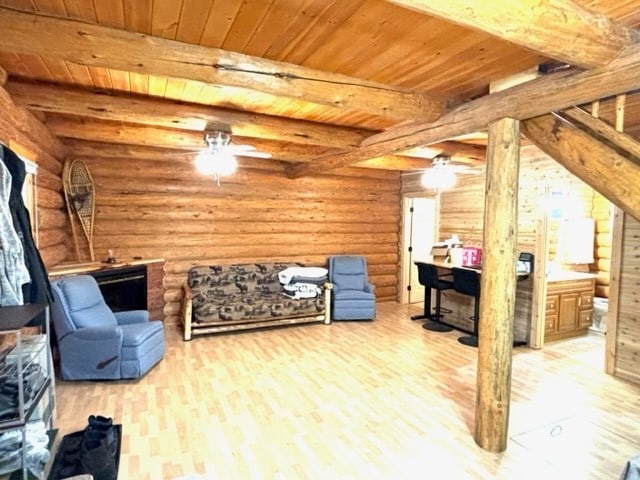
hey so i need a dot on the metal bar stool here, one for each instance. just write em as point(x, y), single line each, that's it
point(467, 282)
point(429, 278)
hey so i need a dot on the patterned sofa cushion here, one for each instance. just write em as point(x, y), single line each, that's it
point(254, 307)
point(245, 292)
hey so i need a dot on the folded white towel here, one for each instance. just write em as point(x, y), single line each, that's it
point(286, 275)
point(301, 290)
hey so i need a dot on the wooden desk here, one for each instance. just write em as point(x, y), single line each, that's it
point(461, 306)
point(449, 266)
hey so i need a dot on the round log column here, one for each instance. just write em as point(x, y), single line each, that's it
point(498, 286)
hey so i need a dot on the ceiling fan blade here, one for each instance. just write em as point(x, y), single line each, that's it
point(184, 153)
point(466, 170)
point(243, 146)
point(247, 151)
point(253, 154)
point(219, 141)
point(239, 153)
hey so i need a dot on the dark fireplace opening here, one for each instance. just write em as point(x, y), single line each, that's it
point(123, 288)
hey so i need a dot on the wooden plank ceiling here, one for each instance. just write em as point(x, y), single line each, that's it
point(369, 66)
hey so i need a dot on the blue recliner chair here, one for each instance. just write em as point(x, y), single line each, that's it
point(352, 296)
point(95, 343)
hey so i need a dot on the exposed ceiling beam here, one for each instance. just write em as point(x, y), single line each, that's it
point(103, 139)
point(396, 162)
point(98, 46)
point(144, 135)
point(96, 149)
point(170, 114)
point(614, 176)
point(536, 97)
point(559, 29)
point(619, 140)
point(31, 127)
point(111, 154)
point(110, 151)
point(103, 150)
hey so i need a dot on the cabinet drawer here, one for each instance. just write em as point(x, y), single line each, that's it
point(552, 303)
point(585, 301)
point(585, 318)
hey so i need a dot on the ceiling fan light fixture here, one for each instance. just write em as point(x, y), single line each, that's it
point(226, 164)
point(216, 160)
point(440, 176)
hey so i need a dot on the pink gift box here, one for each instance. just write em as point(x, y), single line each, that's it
point(471, 256)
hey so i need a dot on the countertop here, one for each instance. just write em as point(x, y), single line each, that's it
point(441, 264)
point(568, 275)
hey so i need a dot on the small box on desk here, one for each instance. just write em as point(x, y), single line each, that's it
point(471, 256)
point(440, 253)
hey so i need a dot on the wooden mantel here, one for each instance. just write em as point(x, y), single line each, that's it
point(70, 268)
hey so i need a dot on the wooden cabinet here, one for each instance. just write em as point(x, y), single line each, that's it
point(568, 312)
point(569, 308)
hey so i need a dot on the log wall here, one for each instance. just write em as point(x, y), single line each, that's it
point(26, 135)
point(601, 212)
point(627, 328)
point(163, 208)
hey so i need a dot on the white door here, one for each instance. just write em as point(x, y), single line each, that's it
point(420, 231)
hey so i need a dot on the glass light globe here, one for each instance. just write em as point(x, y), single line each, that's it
point(205, 163)
point(219, 164)
point(440, 178)
point(225, 164)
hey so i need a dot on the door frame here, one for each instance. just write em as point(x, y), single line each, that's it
point(405, 235)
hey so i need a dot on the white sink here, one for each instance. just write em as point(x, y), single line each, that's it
point(563, 275)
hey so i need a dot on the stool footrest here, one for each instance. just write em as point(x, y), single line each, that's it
point(436, 327)
point(470, 340)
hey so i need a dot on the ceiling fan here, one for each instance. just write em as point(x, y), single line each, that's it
point(218, 158)
point(442, 174)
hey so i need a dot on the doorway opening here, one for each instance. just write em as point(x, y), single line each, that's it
point(574, 226)
point(419, 231)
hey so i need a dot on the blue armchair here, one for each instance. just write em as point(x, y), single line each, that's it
point(353, 297)
point(94, 342)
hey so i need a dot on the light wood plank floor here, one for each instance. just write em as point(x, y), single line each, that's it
point(359, 400)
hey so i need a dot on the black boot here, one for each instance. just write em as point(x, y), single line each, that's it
point(107, 437)
point(98, 460)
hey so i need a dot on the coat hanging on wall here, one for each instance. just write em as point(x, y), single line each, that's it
point(78, 193)
point(13, 270)
point(38, 290)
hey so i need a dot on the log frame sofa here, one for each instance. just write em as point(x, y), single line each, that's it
point(232, 297)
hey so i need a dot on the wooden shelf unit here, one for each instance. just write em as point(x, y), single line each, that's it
point(15, 358)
